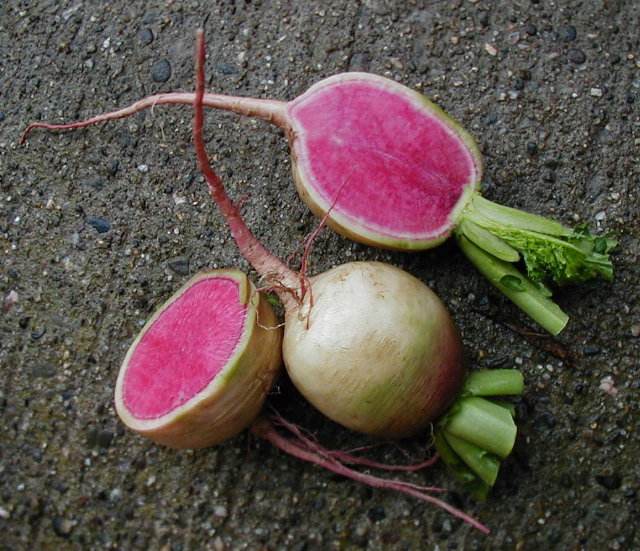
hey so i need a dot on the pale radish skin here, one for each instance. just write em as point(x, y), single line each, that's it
point(232, 395)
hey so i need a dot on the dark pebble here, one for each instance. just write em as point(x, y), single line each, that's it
point(609, 481)
point(568, 33)
point(179, 265)
point(112, 166)
point(98, 224)
point(532, 148)
point(161, 71)
point(94, 182)
point(104, 438)
point(146, 36)
point(524, 74)
point(1, 116)
point(98, 438)
point(376, 513)
point(228, 69)
point(37, 335)
point(576, 56)
point(62, 527)
point(530, 29)
point(359, 62)
point(591, 350)
point(549, 176)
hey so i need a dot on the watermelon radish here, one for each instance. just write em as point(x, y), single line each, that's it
point(387, 167)
point(202, 366)
point(374, 349)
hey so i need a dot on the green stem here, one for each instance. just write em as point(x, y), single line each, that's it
point(485, 424)
point(484, 464)
point(476, 433)
point(516, 287)
point(494, 382)
point(494, 236)
point(549, 249)
point(470, 480)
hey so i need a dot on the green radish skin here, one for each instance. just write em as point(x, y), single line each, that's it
point(377, 351)
point(233, 396)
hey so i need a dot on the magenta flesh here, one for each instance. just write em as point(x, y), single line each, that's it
point(379, 168)
point(179, 354)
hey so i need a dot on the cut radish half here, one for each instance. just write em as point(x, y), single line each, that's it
point(202, 366)
point(389, 179)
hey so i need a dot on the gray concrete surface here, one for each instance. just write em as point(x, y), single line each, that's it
point(551, 90)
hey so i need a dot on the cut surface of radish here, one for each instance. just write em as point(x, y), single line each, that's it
point(201, 368)
point(386, 178)
point(180, 354)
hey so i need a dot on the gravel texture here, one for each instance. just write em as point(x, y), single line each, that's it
point(99, 226)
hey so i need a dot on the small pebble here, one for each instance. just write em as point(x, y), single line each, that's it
point(568, 33)
point(609, 481)
point(179, 265)
point(161, 71)
point(359, 62)
point(146, 36)
point(1, 116)
point(376, 513)
point(530, 29)
point(94, 182)
point(62, 527)
point(228, 69)
point(112, 166)
point(99, 224)
point(490, 49)
point(576, 56)
point(220, 511)
point(591, 350)
point(532, 148)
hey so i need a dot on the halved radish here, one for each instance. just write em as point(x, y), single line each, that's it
point(202, 366)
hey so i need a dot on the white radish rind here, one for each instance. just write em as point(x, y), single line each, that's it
point(234, 396)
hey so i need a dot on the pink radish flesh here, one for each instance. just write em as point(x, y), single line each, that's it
point(404, 179)
point(179, 354)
